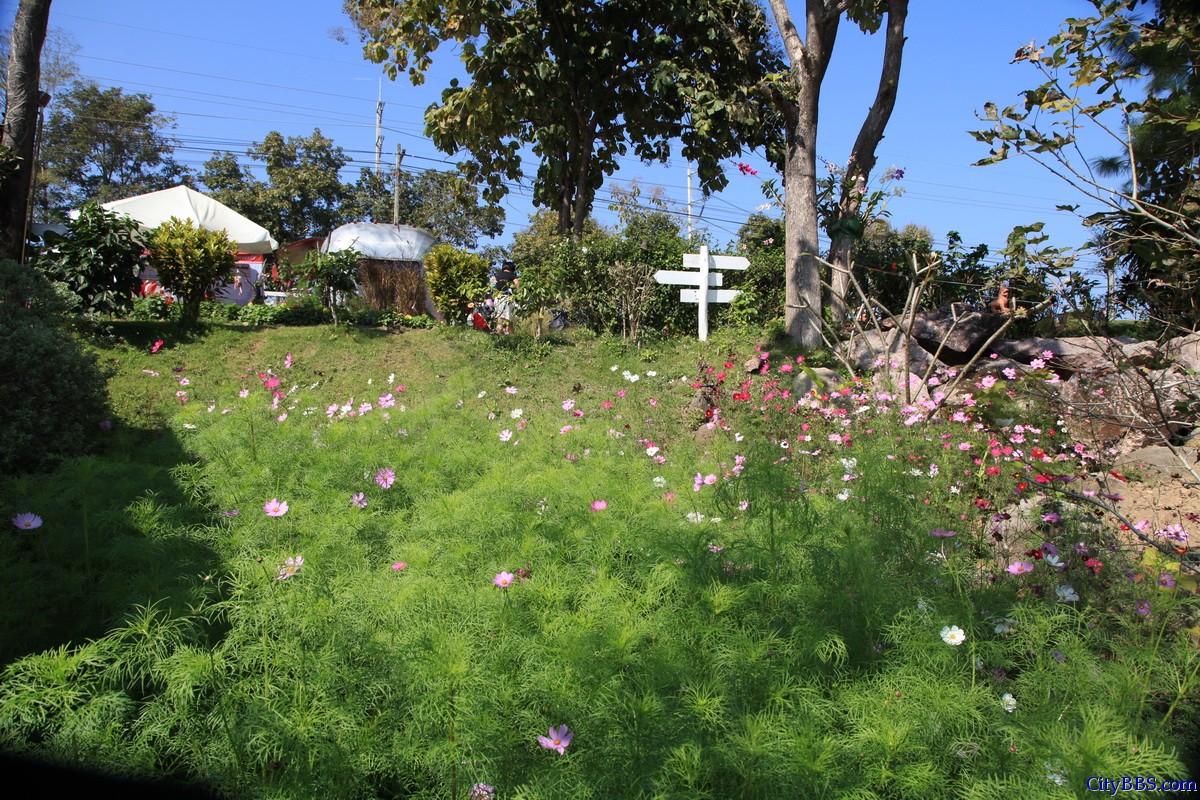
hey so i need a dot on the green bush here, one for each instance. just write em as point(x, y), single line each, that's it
point(330, 275)
point(455, 279)
point(52, 398)
point(98, 259)
point(190, 261)
point(154, 308)
point(260, 314)
point(306, 310)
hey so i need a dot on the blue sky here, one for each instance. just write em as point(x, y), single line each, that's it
point(230, 72)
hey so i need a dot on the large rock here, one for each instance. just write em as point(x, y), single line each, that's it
point(1091, 355)
point(1185, 351)
point(895, 361)
point(955, 333)
point(821, 379)
point(1128, 409)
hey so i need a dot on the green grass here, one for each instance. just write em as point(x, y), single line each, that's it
point(756, 637)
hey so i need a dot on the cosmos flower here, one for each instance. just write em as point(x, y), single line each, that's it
point(27, 521)
point(275, 508)
point(953, 635)
point(558, 740)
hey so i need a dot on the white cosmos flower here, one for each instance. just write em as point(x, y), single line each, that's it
point(953, 635)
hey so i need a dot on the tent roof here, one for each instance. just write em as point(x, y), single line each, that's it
point(385, 242)
point(155, 208)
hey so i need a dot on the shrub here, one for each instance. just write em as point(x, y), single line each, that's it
point(52, 398)
point(153, 308)
point(260, 314)
point(98, 259)
point(329, 274)
point(306, 310)
point(190, 261)
point(455, 279)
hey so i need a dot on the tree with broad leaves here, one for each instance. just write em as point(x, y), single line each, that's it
point(797, 99)
point(303, 194)
point(443, 203)
point(582, 83)
point(102, 145)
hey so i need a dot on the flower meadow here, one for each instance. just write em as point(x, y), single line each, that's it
point(444, 565)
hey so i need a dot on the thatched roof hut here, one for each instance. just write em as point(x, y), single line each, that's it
point(391, 272)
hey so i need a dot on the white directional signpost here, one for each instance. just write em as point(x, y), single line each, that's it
point(698, 272)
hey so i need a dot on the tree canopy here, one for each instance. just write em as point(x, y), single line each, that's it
point(443, 203)
point(581, 83)
point(101, 145)
point(303, 194)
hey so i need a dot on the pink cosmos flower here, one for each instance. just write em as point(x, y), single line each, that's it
point(599, 505)
point(27, 521)
point(510, 389)
point(275, 508)
point(943, 533)
point(1142, 607)
point(359, 499)
point(157, 346)
point(606, 404)
point(288, 361)
point(505, 435)
point(385, 477)
point(620, 392)
point(568, 405)
point(244, 393)
point(503, 579)
point(558, 740)
point(1020, 567)
point(400, 566)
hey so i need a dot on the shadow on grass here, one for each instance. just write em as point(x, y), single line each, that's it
point(118, 530)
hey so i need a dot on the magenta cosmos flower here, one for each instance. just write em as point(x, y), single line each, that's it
point(599, 505)
point(503, 579)
point(27, 521)
point(385, 477)
point(275, 508)
point(558, 740)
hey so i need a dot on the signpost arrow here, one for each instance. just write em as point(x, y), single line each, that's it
point(695, 261)
point(686, 278)
point(714, 295)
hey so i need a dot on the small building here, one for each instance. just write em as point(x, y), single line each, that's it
point(391, 270)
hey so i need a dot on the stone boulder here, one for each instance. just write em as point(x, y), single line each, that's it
point(955, 333)
point(1086, 354)
point(825, 380)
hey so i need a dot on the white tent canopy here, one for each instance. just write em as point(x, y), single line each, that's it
point(153, 209)
point(379, 241)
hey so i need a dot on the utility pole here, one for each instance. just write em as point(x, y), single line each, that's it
point(689, 202)
point(396, 186)
point(379, 128)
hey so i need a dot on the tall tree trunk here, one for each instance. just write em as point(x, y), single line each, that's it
point(863, 156)
point(20, 120)
point(808, 61)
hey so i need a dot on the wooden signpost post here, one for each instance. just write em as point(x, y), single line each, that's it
point(703, 277)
